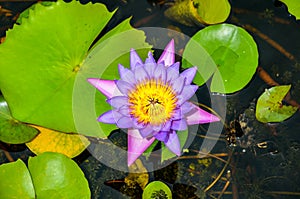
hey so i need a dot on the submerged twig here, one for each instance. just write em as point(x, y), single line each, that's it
point(283, 193)
point(261, 15)
point(224, 189)
point(216, 155)
point(270, 41)
point(219, 176)
point(8, 156)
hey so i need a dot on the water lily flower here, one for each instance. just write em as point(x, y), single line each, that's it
point(151, 100)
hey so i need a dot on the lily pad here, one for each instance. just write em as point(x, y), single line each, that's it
point(49, 140)
point(11, 130)
point(15, 181)
point(213, 11)
point(56, 176)
point(269, 107)
point(50, 176)
point(293, 7)
point(199, 12)
point(42, 58)
point(157, 189)
point(232, 49)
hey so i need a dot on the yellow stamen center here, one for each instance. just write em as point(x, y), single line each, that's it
point(152, 102)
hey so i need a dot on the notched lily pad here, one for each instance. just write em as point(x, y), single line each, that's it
point(43, 57)
point(11, 130)
point(232, 49)
point(269, 106)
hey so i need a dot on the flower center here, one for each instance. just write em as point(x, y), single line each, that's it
point(152, 102)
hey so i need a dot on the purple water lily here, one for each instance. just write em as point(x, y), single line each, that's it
point(151, 100)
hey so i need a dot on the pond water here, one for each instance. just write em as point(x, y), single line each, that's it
point(264, 162)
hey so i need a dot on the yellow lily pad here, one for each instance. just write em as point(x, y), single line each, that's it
point(49, 140)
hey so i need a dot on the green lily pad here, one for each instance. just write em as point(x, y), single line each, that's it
point(232, 49)
point(293, 7)
point(166, 154)
point(213, 11)
point(15, 181)
point(11, 130)
point(43, 57)
point(50, 175)
point(269, 107)
point(199, 12)
point(56, 176)
point(157, 189)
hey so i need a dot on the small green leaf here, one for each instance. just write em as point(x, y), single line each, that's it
point(213, 11)
point(12, 131)
point(15, 181)
point(232, 49)
point(293, 7)
point(199, 12)
point(157, 189)
point(269, 106)
point(56, 176)
point(166, 154)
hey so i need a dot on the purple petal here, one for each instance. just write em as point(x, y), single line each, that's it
point(118, 101)
point(126, 74)
point(179, 125)
point(145, 132)
point(168, 56)
point(125, 122)
point(107, 87)
point(138, 125)
point(178, 84)
point(150, 68)
point(187, 92)
point(200, 117)
point(124, 87)
point(162, 135)
point(157, 128)
point(124, 110)
point(166, 126)
point(173, 72)
point(173, 143)
point(189, 74)
point(177, 114)
point(110, 117)
point(160, 73)
point(140, 74)
point(150, 59)
point(134, 59)
point(136, 145)
point(186, 107)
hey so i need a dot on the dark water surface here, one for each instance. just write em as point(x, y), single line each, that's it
point(265, 163)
